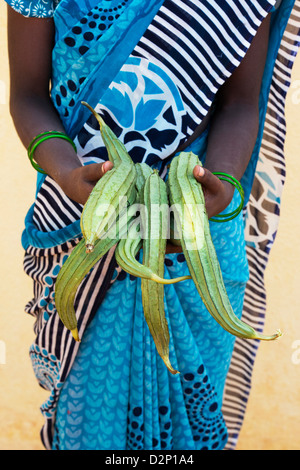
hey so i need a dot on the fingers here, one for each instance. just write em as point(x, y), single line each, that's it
point(207, 179)
point(170, 248)
point(106, 166)
point(95, 171)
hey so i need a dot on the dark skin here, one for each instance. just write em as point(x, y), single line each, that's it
point(232, 135)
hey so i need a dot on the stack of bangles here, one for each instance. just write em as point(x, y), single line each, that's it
point(41, 138)
point(231, 215)
point(222, 176)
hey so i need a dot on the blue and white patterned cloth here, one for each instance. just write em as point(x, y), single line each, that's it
point(36, 9)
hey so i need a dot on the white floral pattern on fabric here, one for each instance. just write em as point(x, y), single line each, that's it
point(34, 8)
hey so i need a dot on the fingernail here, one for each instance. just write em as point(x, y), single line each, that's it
point(201, 171)
point(106, 166)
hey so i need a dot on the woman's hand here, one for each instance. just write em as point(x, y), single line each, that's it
point(217, 193)
point(79, 182)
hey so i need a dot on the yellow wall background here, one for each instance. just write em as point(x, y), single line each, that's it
point(273, 417)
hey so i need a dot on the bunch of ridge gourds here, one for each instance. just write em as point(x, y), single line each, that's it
point(108, 219)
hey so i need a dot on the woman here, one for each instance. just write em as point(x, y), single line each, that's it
point(166, 76)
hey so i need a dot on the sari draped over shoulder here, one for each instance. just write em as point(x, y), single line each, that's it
point(152, 70)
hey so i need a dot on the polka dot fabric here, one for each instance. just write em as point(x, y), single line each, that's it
point(203, 407)
point(93, 25)
point(81, 39)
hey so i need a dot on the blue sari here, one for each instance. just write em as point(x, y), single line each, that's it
point(135, 62)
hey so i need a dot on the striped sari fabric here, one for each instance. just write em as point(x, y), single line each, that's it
point(262, 215)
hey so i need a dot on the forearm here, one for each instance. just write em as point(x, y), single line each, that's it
point(31, 42)
point(30, 45)
point(33, 115)
point(232, 139)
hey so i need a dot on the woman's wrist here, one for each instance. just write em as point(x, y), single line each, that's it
point(218, 193)
point(227, 179)
point(57, 158)
point(222, 200)
point(66, 175)
point(228, 192)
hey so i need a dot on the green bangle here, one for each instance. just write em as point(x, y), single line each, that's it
point(232, 215)
point(41, 138)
